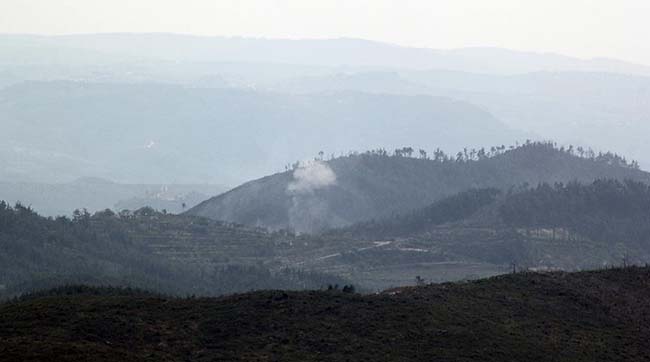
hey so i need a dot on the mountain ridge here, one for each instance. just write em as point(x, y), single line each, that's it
point(374, 185)
point(359, 52)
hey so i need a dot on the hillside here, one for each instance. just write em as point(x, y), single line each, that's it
point(605, 209)
point(166, 253)
point(377, 184)
point(472, 234)
point(483, 232)
point(587, 316)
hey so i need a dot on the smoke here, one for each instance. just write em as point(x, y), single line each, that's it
point(308, 211)
point(307, 179)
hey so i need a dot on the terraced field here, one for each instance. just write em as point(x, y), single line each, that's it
point(448, 252)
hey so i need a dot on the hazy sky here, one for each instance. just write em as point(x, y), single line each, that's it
point(584, 28)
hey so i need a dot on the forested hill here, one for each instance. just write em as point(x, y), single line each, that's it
point(588, 316)
point(378, 184)
point(171, 254)
point(606, 209)
point(450, 210)
point(566, 226)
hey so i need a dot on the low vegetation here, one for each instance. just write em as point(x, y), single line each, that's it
point(588, 316)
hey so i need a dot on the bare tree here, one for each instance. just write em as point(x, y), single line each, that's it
point(419, 281)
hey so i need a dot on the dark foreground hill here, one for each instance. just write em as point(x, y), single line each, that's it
point(377, 184)
point(588, 316)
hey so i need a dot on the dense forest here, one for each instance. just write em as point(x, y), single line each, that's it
point(450, 209)
point(605, 210)
point(550, 226)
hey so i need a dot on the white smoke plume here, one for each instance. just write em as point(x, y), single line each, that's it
point(308, 212)
point(314, 176)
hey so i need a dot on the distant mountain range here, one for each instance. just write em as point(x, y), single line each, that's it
point(604, 110)
point(96, 194)
point(163, 133)
point(105, 48)
point(177, 109)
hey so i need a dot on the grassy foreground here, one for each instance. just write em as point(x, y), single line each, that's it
point(587, 316)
